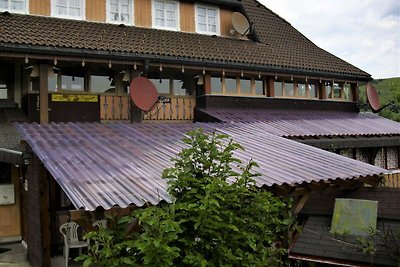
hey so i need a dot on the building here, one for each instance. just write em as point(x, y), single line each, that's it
point(72, 61)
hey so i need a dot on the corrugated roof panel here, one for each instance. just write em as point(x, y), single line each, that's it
point(308, 123)
point(121, 164)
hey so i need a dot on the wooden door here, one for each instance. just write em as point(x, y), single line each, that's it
point(10, 223)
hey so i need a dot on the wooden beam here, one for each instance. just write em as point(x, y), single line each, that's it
point(300, 202)
point(207, 84)
point(270, 87)
point(43, 93)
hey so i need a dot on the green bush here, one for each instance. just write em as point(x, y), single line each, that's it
point(218, 216)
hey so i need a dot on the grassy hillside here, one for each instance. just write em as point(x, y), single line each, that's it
point(388, 90)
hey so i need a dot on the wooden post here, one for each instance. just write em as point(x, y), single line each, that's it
point(270, 87)
point(321, 91)
point(207, 84)
point(43, 93)
point(354, 92)
point(299, 204)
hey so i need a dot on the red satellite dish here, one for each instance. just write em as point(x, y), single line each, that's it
point(143, 93)
point(373, 98)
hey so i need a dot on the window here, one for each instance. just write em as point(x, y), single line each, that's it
point(289, 88)
point(72, 9)
point(3, 90)
point(347, 92)
point(216, 85)
point(278, 88)
point(101, 84)
point(301, 89)
point(5, 173)
point(207, 19)
point(120, 11)
point(245, 86)
point(230, 86)
point(16, 6)
point(165, 14)
point(259, 88)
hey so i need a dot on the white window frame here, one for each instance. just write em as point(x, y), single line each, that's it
point(217, 21)
point(131, 13)
point(25, 9)
point(81, 17)
point(153, 15)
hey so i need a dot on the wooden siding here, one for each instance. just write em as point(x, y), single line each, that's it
point(225, 22)
point(114, 107)
point(96, 10)
point(39, 7)
point(180, 108)
point(142, 13)
point(187, 17)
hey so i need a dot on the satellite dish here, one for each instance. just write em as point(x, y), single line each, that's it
point(143, 93)
point(373, 99)
point(240, 23)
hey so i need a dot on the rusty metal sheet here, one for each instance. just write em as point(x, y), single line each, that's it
point(121, 164)
point(309, 123)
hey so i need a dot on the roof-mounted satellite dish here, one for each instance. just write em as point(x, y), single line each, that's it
point(373, 99)
point(143, 93)
point(240, 23)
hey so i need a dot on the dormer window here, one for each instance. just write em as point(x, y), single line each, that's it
point(70, 9)
point(14, 6)
point(166, 14)
point(207, 19)
point(120, 11)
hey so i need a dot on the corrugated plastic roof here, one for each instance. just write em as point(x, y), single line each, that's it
point(308, 123)
point(121, 164)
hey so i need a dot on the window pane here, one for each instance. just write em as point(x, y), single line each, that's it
point(162, 85)
point(52, 80)
point(301, 89)
point(347, 92)
point(278, 89)
point(179, 87)
point(259, 87)
point(3, 90)
point(5, 173)
point(230, 85)
point(72, 83)
point(4, 4)
point(289, 89)
point(245, 86)
point(337, 90)
point(328, 90)
point(313, 93)
point(216, 85)
point(101, 84)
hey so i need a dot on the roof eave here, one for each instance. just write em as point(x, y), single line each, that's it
point(27, 49)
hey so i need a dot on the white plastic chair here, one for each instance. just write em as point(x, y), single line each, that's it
point(100, 223)
point(70, 233)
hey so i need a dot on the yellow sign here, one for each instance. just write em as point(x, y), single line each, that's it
point(74, 98)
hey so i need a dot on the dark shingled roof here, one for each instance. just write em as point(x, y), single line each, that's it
point(281, 48)
point(317, 243)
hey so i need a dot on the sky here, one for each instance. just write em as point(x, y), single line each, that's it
point(365, 33)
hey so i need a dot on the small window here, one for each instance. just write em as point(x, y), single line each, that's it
point(14, 6)
point(72, 83)
point(216, 85)
point(207, 19)
point(259, 88)
point(120, 11)
point(101, 84)
point(71, 9)
point(289, 89)
point(162, 85)
point(165, 14)
point(313, 93)
point(180, 87)
point(230, 86)
point(245, 86)
point(337, 91)
point(3, 90)
point(328, 90)
point(278, 88)
point(301, 89)
point(347, 93)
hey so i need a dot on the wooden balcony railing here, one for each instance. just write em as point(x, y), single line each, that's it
point(393, 180)
point(177, 108)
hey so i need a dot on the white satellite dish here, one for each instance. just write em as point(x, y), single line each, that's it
point(240, 23)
